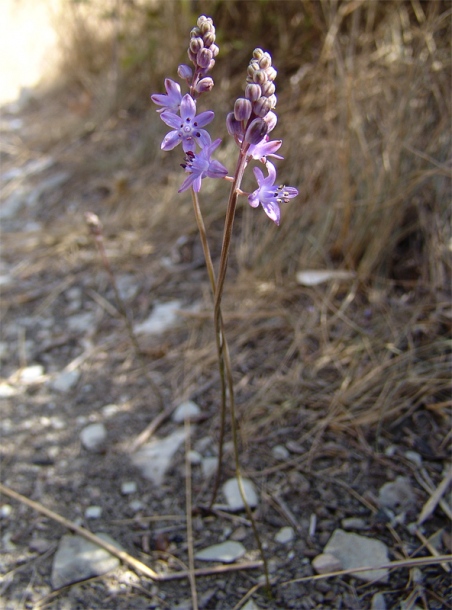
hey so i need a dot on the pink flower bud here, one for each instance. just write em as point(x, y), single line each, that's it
point(242, 109)
point(184, 72)
point(253, 92)
point(256, 131)
point(205, 84)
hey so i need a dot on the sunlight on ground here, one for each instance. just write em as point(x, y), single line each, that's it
point(27, 44)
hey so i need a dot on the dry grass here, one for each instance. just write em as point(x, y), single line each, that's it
point(364, 112)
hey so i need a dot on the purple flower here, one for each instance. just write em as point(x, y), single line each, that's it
point(269, 195)
point(202, 166)
point(265, 148)
point(186, 126)
point(170, 102)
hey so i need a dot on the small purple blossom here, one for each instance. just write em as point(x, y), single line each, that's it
point(187, 126)
point(201, 166)
point(265, 148)
point(269, 195)
point(170, 102)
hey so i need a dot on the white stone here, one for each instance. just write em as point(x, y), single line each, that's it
point(280, 452)
point(186, 410)
point(163, 317)
point(209, 466)
point(65, 381)
point(285, 535)
point(353, 523)
point(31, 374)
point(326, 563)
point(128, 487)
point(226, 552)
point(397, 495)
point(93, 512)
point(354, 551)
point(93, 437)
point(155, 458)
point(233, 496)
point(78, 559)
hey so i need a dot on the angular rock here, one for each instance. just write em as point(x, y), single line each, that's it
point(155, 458)
point(233, 497)
point(354, 551)
point(326, 563)
point(226, 552)
point(77, 559)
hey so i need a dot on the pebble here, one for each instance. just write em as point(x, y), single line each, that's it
point(93, 437)
point(414, 457)
point(285, 535)
point(353, 523)
point(355, 551)
point(397, 495)
point(93, 512)
point(378, 602)
point(78, 559)
point(31, 374)
point(325, 563)
point(128, 488)
point(186, 410)
point(163, 317)
point(194, 458)
point(280, 452)
point(226, 552)
point(5, 511)
point(154, 458)
point(209, 466)
point(65, 381)
point(233, 497)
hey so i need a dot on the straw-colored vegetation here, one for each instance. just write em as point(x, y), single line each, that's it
point(364, 111)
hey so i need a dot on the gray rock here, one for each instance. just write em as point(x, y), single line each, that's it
point(93, 512)
point(285, 535)
point(186, 410)
point(326, 563)
point(65, 381)
point(226, 552)
point(93, 437)
point(163, 317)
point(397, 495)
point(77, 559)
point(280, 452)
point(233, 497)
point(154, 459)
point(354, 551)
point(353, 523)
point(128, 488)
point(209, 466)
point(81, 322)
point(378, 602)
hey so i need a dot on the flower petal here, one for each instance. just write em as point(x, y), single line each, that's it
point(170, 141)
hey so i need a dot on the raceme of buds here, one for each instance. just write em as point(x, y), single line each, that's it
point(202, 48)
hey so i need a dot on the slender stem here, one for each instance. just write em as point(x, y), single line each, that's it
point(224, 363)
point(227, 235)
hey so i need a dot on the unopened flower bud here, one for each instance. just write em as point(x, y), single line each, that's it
point(192, 55)
point(233, 126)
point(268, 89)
point(196, 44)
point(262, 106)
point(253, 92)
point(257, 53)
point(271, 73)
point(260, 77)
point(195, 32)
point(242, 109)
point(272, 99)
point(203, 58)
point(256, 131)
point(211, 65)
point(184, 72)
point(206, 26)
point(265, 61)
point(205, 84)
point(214, 49)
point(271, 119)
point(208, 39)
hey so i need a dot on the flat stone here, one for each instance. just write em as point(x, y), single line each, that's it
point(233, 497)
point(128, 488)
point(163, 317)
point(353, 523)
point(285, 535)
point(154, 459)
point(355, 551)
point(93, 512)
point(226, 552)
point(93, 437)
point(65, 381)
point(186, 410)
point(326, 563)
point(397, 495)
point(78, 559)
